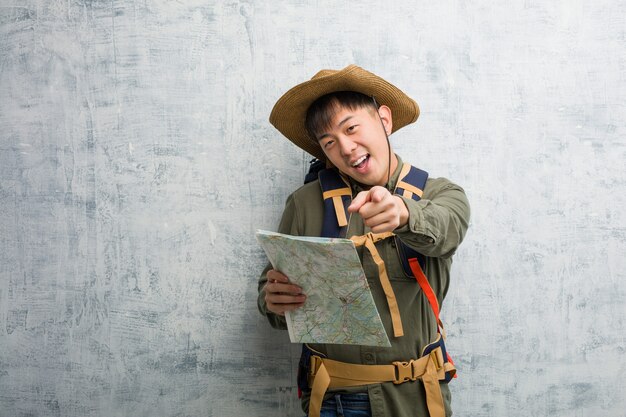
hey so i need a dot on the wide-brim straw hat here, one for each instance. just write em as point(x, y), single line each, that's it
point(289, 112)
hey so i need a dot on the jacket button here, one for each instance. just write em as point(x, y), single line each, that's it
point(369, 357)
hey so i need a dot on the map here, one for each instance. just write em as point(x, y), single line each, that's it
point(339, 308)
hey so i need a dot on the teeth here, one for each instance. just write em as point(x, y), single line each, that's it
point(359, 161)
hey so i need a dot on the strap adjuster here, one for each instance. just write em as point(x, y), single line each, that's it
point(316, 362)
point(437, 357)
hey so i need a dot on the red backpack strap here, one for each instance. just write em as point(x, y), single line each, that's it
point(432, 300)
point(428, 291)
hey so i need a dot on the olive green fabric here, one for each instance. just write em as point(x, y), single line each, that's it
point(437, 224)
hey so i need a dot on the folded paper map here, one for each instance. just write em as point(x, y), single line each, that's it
point(339, 307)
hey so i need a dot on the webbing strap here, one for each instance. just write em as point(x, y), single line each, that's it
point(369, 241)
point(327, 373)
point(428, 291)
point(336, 195)
point(406, 168)
point(434, 399)
point(432, 300)
point(411, 182)
point(342, 220)
point(319, 388)
point(409, 190)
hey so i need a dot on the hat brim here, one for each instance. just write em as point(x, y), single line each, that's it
point(289, 112)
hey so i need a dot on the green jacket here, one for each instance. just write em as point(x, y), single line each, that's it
point(436, 226)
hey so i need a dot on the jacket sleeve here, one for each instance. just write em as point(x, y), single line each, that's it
point(288, 225)
point(438, 222)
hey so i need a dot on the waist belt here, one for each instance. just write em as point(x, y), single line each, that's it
point(431, 368)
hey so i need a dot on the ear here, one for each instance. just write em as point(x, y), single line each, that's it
point(385, 115)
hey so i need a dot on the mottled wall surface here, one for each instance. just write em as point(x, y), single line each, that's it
point(136, 161)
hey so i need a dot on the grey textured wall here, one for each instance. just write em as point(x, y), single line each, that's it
point(136, 161)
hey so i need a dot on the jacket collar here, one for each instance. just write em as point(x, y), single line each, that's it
point(357, 187)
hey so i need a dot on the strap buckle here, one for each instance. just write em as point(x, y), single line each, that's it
point(415, 368)
point(404, 372)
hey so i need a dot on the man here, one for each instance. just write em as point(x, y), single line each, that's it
point(344, 117)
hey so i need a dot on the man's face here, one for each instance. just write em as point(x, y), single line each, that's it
point(356, 144)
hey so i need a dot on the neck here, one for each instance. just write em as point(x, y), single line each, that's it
point(393, 165)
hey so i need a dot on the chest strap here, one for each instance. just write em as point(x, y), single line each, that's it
point(430, 369)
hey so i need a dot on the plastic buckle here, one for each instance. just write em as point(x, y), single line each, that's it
point(404, 372)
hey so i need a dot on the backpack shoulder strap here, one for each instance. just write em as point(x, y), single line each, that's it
point(337, 196)
point(411, 182)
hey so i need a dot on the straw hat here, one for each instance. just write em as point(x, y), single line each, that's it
point(289, 112)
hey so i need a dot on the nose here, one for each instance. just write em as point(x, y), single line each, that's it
point(346, 145)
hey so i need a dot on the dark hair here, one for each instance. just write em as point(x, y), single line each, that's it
point(320, 114)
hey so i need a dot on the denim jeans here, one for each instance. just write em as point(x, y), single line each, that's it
point(347, 405)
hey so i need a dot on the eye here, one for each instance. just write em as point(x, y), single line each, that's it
point(351, 128)
point(327, 143)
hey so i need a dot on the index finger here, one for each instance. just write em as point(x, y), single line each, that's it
point(360, 199)
point(377, 194)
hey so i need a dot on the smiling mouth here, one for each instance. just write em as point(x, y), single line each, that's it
point(360, 162)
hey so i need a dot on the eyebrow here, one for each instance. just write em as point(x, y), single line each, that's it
point(345, 120)
point(323, 135)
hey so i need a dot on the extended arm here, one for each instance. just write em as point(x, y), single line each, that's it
point(438, 222)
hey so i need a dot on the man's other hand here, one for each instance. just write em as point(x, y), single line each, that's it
point(281, 295)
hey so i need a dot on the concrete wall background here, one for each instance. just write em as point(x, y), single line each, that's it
point(136, 161)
